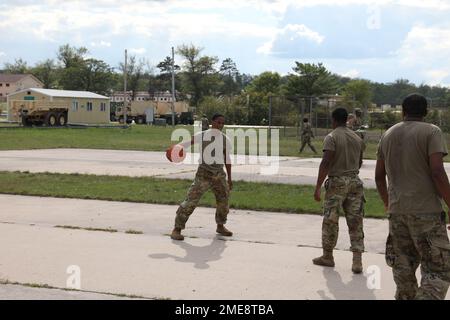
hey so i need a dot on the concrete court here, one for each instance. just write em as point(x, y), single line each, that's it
point(291, 170)
point(269, 256)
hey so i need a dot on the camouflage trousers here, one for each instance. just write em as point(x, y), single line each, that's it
point(419, 239)
point(306, 140)
point(205, 180)
point(343, 194)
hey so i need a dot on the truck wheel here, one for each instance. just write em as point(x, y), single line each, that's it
point(26, 122)
point(140, 120)
point(62, 119)
point(51, 120)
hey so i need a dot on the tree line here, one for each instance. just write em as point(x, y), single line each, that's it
point(211, 85)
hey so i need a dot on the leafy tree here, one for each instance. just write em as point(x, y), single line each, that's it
point(230, 76)
point(199, 76)
point(73, 64)
point(18, 67)
point(97, 76)
point(267, 83)
point(135, 70)
point(46, 71)
point(71, 56)
point(358, 94)
point(311, 80)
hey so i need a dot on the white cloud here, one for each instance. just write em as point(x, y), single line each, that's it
point(292, 32)
point(436, 77)
point(2, 54)
point(427, 49)
point(351, 74)
point(138, 50)
point(101, 44)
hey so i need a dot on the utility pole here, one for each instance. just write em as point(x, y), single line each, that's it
point(270, 115)
point(173, 87)
point(125, 98)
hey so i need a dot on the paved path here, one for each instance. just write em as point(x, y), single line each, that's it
point(291, 170)
point(269, 257)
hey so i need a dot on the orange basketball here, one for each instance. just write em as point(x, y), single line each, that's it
point(175, 153)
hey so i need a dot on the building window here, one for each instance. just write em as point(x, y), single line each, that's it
point(89, 106)
point(1, 84)
point(74, 106)
point(7, 84)
point(1, 94)
point(102, 106)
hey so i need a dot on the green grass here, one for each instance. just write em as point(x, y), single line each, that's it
point(87, 229)
point(136, 138)
point(245, 195)
point(142, 138)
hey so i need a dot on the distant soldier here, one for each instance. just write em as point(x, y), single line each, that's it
point(350, 121)
point(214, 154)
point(411, 155)
point(342, 159)
point(205, 122)
point(355, 123)
point(307, 134)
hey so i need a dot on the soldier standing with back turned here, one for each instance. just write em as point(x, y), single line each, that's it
point(342, 159)
point(411, 155)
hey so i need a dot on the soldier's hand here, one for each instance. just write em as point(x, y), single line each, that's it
point(230, 184)
point(448, 213)
point(317, 195)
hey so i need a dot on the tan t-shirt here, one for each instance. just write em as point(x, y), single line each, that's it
point(347, 146)
point(405, 149)
point(215, 148)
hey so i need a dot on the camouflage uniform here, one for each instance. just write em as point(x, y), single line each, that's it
point(205, 180)
point(357, 125)
point(307, 134)
point(344, 192)
point(344, 189)
point(417, 230)
point(209, 176)
point(419, 239)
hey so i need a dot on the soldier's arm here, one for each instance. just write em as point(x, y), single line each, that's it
point(228, 164)
point(187, 143)
point(324, 168)
point(195, 139)
point(440, 177)
point(361, 159)
point(380, 179)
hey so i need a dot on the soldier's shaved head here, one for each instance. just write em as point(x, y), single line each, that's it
point(415, 105)
point(340, 116)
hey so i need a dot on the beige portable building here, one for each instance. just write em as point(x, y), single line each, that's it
point(45, 106)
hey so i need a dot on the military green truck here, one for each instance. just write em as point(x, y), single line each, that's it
point(138, 112)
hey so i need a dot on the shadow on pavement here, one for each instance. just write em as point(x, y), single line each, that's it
point(199, 256)
point(355, 289)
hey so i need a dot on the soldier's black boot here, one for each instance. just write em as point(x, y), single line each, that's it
point(326, 260)
point(176, 234)
point(223, 231)
point(357, 262)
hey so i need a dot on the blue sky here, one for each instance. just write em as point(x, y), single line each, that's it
point(380, 40)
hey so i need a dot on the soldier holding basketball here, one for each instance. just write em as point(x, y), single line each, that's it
point(214, 154)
